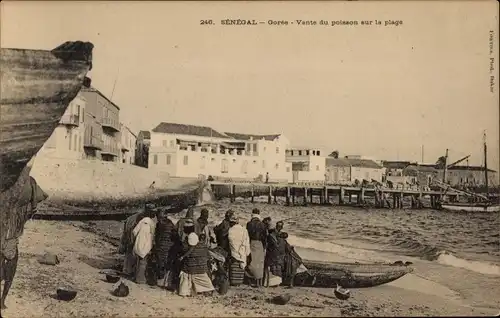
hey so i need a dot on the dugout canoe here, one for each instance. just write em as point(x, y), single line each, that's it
point(36, 88)
point(349, 275)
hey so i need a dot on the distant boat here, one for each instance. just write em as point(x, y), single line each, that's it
point(36, 88)
point(485, 204)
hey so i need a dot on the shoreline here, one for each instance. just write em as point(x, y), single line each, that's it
point(83, 253)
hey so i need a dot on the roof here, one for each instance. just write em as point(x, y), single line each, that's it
point(254, 137)
point(395, 164)
point(181, 129)
point(413, 169)
point(469, 168)
point(130, 130)
point(145, 134)
point(344, 162)
point(95, 90)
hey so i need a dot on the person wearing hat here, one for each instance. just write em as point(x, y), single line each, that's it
point(239, 245)
point(274, 261)
point(222, 230)
point(193, 275)
point(257, 232)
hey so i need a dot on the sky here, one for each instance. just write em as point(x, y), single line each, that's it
point(377, 91)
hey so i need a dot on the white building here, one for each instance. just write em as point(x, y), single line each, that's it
point(128, 142)
point(188, 151)
point(307, 164)
point(347, 170)
point(67, 139)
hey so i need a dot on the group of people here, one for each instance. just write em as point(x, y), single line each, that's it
point(191, 257)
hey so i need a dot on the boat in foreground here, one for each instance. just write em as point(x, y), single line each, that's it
point(348, 275)
point(36, 88)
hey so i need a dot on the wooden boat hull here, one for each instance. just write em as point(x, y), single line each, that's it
point(198, 194)
point(36, 88)
point(348, 275)
point(476, 208)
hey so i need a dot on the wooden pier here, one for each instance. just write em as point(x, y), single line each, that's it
point(309, 193)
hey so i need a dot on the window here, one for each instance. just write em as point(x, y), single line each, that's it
point(264, 148)
point(317, 167)
point(70, 139)
point(75, 144)
point(164, 143)
point(307, 152)
point(254, 147)
point(287, 169)
point(278, 150)
point(277, 166)
point(318, 153)
point(155, 159)
point(172, 143)
point(224, 166)
point(185, 160)
point(263, 163)
point(249, 147)
point(300, 152)
point(168, 158)
point(202, 162)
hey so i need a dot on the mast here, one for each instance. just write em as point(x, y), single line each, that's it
point(485, 164)
point(445, 166)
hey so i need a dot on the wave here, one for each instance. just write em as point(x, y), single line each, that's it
point(449, 259)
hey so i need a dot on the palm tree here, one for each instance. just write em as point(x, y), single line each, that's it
point(334, 154)
point(441, 162)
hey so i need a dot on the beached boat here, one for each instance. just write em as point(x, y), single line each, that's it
point(468, 207)
point(348, 275)
point(485, 202)
point(36, 88)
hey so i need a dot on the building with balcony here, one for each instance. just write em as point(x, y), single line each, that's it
point(102, 130)
point(67, 140)
point(306, 164)
point(188, 151)
point(128, 142)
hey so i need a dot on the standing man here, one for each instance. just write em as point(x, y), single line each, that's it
point(275, 254)
point(267, 177)
point(257, 233)
point(239, 244)
point(127, 239)
point(203, 227)
point(144, 233)
point(165, 248)
point(222, 231)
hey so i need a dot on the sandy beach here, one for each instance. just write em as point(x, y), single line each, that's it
point(431, 290)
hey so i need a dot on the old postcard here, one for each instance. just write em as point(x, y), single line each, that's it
point(219, 159)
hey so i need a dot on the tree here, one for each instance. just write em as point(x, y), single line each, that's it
point(441, 162)
point(334, 154)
